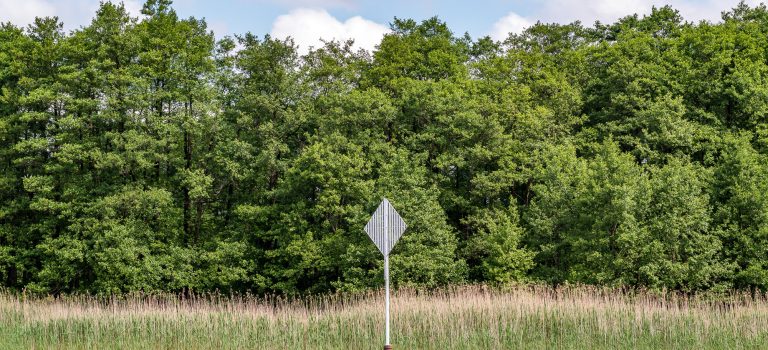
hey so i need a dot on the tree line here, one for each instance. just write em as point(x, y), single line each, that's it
point(142, 154)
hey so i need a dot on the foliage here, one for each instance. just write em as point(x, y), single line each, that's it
point(140, 154)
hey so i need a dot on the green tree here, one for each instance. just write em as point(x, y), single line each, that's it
point(678, 248)
point(741, 217)
point(586, 213)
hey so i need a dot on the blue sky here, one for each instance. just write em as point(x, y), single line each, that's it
point(258, 16)
point(366, 21)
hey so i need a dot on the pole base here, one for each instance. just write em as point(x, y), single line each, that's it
point(387, 347)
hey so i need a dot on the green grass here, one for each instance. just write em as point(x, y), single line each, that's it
point(529, 317)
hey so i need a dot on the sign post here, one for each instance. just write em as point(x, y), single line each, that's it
point(384, 228)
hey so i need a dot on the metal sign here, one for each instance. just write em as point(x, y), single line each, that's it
point(385, 227)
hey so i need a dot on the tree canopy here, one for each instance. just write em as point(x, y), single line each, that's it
point(142, 154)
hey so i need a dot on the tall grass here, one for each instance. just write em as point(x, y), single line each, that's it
point(471, 317)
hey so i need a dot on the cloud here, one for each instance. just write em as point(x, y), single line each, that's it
point(511, 23)
point(24, 12)
point(564, 11)
point(133, 7)
point(608, 11)
point(313, 3)
point(73, 13)
point(308, 26)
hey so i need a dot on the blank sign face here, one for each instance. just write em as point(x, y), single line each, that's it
point(385, 227)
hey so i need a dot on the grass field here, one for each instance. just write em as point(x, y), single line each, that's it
point(473, 317)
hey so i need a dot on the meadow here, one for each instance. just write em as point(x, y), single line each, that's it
point(468, 317)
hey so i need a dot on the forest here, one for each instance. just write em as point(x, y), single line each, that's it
point(144, 154)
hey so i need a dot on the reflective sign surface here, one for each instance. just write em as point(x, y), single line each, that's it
point(385, 227)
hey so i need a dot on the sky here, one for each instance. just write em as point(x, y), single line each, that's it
point(307, 21)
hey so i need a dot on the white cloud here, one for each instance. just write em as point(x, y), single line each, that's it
point(307, 27)
point(73, 13)
point(511, 23)
point(133, 7)
point(314, 3)
point(24, 12)
point(565, 11)
point(608, 11)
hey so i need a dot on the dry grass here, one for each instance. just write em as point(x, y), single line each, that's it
point(473, 317)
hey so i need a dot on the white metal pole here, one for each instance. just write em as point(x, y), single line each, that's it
point(386, 298)
point(386, 275)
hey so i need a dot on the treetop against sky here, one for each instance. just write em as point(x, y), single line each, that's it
point(367, 21)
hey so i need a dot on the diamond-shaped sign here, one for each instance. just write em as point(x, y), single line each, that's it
point(385, 227)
